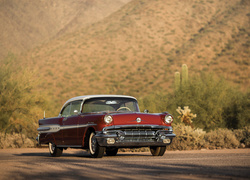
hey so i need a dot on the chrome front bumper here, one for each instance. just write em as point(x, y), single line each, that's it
point(135, 136)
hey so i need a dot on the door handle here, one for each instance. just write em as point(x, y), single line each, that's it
point(65, 119)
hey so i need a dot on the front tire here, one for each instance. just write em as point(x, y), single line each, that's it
point(95, 150)
point(54, 150)
point(157, 151)
point(111, 151)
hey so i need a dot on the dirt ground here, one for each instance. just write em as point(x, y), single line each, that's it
point(36, 163)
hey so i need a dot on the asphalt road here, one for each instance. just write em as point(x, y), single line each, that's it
point(77, 164)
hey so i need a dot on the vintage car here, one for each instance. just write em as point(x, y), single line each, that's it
point(102, 123)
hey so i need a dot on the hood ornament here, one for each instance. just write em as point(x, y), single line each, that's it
point(138, 120)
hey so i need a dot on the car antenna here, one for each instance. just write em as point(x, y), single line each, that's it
point(44, 114)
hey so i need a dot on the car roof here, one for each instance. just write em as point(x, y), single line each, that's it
point(97, 96)
point(83, 98)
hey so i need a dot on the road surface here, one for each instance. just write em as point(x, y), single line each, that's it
point(35, 163)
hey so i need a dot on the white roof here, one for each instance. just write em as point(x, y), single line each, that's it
point(96, 96)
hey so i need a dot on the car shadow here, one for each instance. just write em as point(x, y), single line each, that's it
point(81, 154)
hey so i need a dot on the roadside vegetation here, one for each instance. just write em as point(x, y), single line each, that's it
point(216, 103)
point(208, 112)
point(188, 138)
point(20, 104)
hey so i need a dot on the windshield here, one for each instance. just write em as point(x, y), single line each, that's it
point(110, 104)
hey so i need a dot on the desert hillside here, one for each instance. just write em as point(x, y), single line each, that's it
point(134, 50)
point(27, 23)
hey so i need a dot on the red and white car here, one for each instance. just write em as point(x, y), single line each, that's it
point(104, 123)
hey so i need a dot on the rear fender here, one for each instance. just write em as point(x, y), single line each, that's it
point(50, 138)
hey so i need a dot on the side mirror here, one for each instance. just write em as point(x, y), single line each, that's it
point(146, 111)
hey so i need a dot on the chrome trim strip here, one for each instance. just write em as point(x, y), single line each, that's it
point(137, 126)
point(86, 125)
point(53, 128)
point(43, 129)
point(49, 128)
point(68, 127)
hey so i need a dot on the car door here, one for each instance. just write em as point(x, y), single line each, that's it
point(70, 123)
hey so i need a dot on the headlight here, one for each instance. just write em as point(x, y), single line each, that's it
point(168, 119)
point(108, 119)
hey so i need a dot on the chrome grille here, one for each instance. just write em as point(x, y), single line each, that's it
point(134, 135)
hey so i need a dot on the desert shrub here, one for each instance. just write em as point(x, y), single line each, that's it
point(20, 104)
point(187, 138)
point(221, 138)
point(243, 136)
point(15, 140)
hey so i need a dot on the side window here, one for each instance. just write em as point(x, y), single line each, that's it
point(75, 107)
point(72, 108)
point(66, 111)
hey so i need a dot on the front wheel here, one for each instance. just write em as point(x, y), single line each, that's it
point(95, 150)
point(111, 151)
point(157, 151)
point(54, 150)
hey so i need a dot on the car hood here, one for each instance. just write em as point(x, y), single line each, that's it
point(137, 118)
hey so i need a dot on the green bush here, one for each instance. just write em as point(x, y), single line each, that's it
point(237, 112)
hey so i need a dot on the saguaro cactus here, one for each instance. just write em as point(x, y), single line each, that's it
point(184, 74)
point(181, 79)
